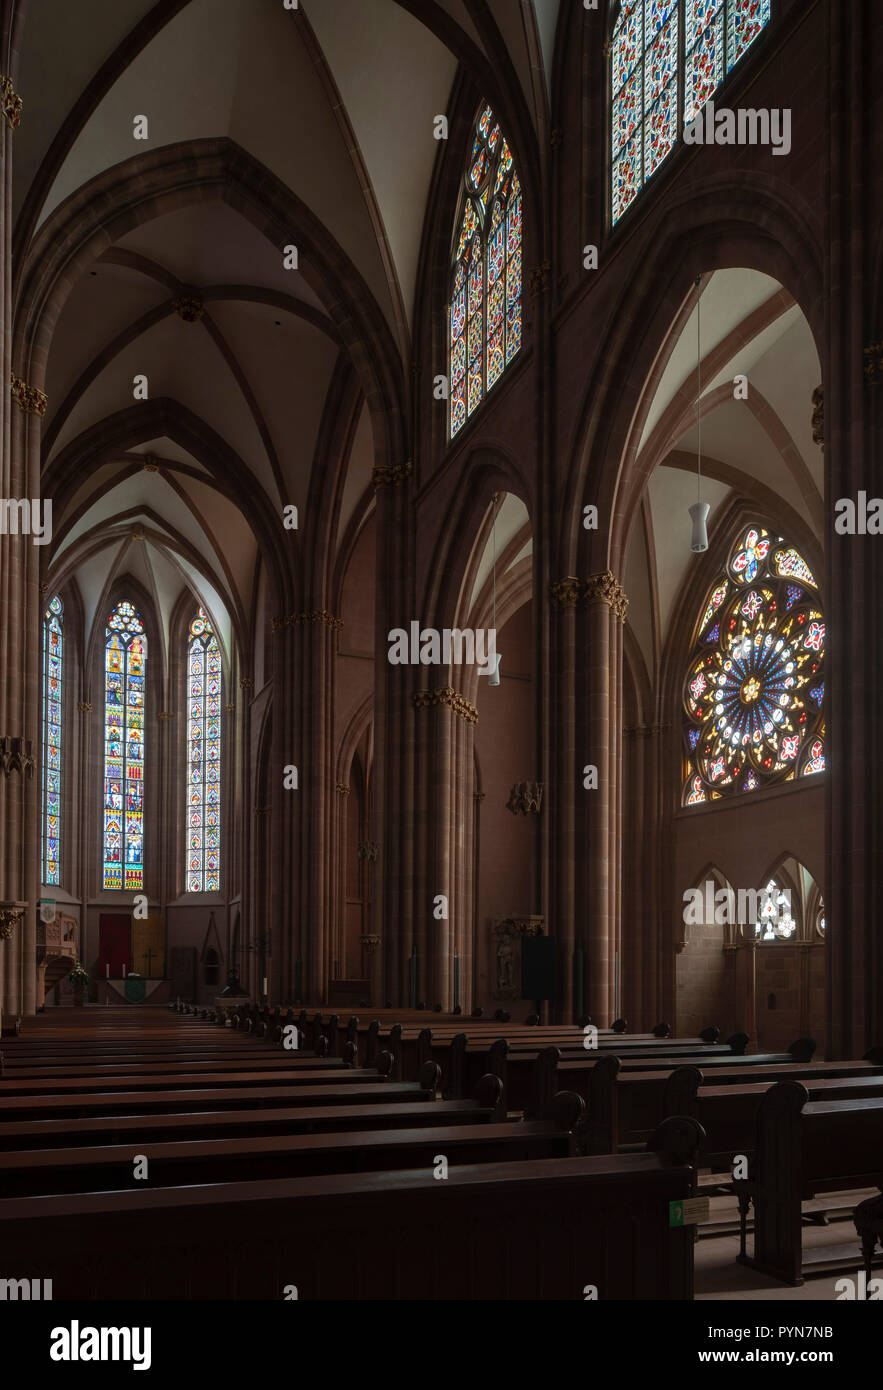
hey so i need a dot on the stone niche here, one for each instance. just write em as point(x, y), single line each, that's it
point(504, 964)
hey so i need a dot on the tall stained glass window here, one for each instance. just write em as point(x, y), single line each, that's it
point(485, 309)
point(755, 685)
point(667, 57)
point(53, 655)
point(204, 757)
point(125, 658)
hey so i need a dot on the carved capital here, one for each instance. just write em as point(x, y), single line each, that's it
point(538, 279)
point(391, 475)
point(519, 926)
point(246, 683)
point(566, 593)
point(873, 355)
point(28, 397)
point(370, 941)
point(446, 695)
point(342, 789)
point(166, 716)
point(317, 617)
point(10, 102)
point(598, 588)
point(188, 307)
point(84, 706)
point(16, 756)
point(818, 417)
point(231, 709)
point(368, 849)
point(10, 915)
point(524, 798)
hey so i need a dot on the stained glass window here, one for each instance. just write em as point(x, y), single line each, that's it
point(125, 658)
point(657, 72)
point(775, 922)
point(203, 757)
point(53, 655)
point(485, 308)
point(754, 689)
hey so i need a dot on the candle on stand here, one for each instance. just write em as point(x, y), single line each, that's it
point(108, 969)
point(265, 984)
point(124, 972)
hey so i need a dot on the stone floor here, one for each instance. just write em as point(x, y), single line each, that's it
point(719, 1276)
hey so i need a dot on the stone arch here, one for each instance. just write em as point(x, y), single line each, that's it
point(705, 229)
point(175, 176)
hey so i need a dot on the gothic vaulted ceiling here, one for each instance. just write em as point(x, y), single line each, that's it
point(336, 99)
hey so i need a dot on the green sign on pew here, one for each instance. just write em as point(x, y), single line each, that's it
point(691, 1211)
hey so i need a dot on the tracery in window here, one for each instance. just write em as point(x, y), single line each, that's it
point(485, 307)
point(775, 921)
point(666, 60)
point(203, 757)
point(754, 688)
point(53, 655)
point(125, 657)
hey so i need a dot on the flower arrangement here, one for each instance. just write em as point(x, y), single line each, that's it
point(79, 977)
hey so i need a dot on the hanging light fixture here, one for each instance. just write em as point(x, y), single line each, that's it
point(699, 510)
point(494, 677)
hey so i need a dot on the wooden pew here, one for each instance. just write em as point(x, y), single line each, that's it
point(323, 1092)
point(486, 1106)
point(625, 1106)
point(288, 1061)
point(728, 1114)
point(529, 1088)
point(803, 1148)
point(51, 1086)
point(36, 1172)
point(413, 1046)
point(522, 1230)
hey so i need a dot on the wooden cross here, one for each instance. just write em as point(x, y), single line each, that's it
point(148, 956)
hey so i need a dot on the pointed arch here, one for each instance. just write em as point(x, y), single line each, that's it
point(125, 684)
point(203, 832)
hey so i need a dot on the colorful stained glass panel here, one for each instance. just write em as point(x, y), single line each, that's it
point(52, 703)
point(485, 307)
point(125, 656)
point(745, 19)
point(203, 842)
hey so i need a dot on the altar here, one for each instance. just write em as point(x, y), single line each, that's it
point(133, 989)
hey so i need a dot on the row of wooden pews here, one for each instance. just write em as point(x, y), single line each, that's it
point(631, 1084)
point(166, 1156)
point(191, 1154)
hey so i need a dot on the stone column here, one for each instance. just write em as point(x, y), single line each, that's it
point(586, 718)
point(853, 438)
point(302, 738)
point(392, 813)
point(445, 739)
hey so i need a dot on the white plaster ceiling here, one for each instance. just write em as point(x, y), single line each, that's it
point(337, 100)
point(512, 517)
point(766, 439)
